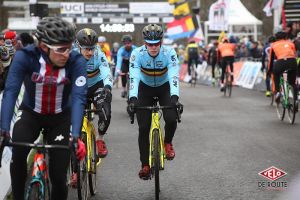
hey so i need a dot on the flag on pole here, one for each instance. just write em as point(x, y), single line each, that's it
point(271, 5)
point(181, 28)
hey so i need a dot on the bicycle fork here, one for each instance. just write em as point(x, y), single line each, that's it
point(155, 125)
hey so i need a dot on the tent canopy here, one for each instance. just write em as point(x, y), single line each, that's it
point(240, 15)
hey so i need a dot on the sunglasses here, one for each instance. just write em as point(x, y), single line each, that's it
point(154, 44)
point(88, 48)
point(60, 49)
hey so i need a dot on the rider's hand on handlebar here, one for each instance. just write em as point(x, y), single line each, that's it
point(175, 102)
point(4, 137)
point(131, 104)
point(79, 147)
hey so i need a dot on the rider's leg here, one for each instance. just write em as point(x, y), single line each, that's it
point(26, 129)
point(59, 159)
point(189, 66)
point(144, 122)
point(124, 82)
point(170, 116)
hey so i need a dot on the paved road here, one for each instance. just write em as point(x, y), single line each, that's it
point(221, 146)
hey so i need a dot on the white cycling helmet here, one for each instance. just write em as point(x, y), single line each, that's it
point(116, 45)
point(101, 39)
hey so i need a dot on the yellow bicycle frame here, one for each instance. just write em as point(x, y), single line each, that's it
point(88, 128)
point(156, 125)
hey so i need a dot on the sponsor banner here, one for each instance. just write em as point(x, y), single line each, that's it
point(72, 8)
point(106, 8)
point(218, 15)
point(248, 74)
point(151, 8)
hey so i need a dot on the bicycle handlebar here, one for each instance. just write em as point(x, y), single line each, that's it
point(156, 108)
point(32, 145)
point(96, 110)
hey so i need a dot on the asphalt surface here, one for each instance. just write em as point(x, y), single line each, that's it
point(221, 146)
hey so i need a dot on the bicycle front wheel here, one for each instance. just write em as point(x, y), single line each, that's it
point(82, 175)
point(156, 162)
point(93, 159)
point(292, 107)
point(37, 191)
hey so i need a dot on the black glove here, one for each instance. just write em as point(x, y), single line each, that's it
point(131, 105)
point(174, 102)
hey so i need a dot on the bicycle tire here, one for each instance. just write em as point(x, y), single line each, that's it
point(280, 108)
point(272, 99)
point(225, 83)
point(35, 192)
point(193, 75)
point(291, 107)
point(82, 174)
point(92, 177)
point(156, 162)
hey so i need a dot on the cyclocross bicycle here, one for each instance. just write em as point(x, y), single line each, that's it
point(288, 100)
point(39, 187)
point(228, 77)
point(87, 169)
point(157, 153)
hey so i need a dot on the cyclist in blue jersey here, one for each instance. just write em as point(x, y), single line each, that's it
point(99, 81)
point(123, 61)
point(154, 72)
point(53, 78)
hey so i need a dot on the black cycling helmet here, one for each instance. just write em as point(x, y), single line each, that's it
point(126, 38)
point(87, 37)
point(54, 30)
point(271, 39)
point(152, 33)
point(280, 35)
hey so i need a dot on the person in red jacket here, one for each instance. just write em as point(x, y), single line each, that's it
point(226, 56)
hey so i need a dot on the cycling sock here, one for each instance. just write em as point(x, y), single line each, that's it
point(100, 137)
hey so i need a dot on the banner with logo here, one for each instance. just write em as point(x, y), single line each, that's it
point(218, 15)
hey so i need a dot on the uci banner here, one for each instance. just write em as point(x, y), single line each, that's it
point(218, 15)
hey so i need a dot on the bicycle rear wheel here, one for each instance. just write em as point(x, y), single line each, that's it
point(280, 107)
point(156, 162)
point(82, 175)
point(93, 168)
point(292, 105)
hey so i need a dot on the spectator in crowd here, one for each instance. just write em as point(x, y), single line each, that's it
point(26, 39)
point(291, 30)
point(2, 39)
point(11, 35)
point(5, 61)
point(255, 52)
point(212, 59)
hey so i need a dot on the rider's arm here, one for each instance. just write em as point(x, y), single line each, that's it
point(12, 87)
point(79, 92)
point(119, 59)
point(134, 73)
point(104, 69)
point(271, 60)
point(263, 59)
point(173, 73)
